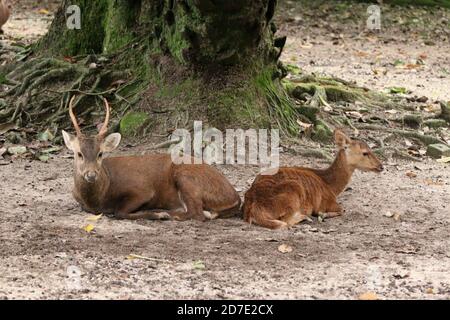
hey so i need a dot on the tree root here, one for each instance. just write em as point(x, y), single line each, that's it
point(397, 152)
point(425, 139)
point(30, 81)
point(323, 90)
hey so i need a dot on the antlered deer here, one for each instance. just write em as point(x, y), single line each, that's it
point(144, 187)
point(4, 13)
point(294, 194)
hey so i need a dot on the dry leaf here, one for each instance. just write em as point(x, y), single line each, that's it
point(389, 214)
point(397, 216)
point(368, 296)
point(89, 228)
point(95, 218)
point(411, 174)
point(284, 248)
point(354, 114)
point(304, 124)
point(44, 11)
point(443, 160)
point(429, 291)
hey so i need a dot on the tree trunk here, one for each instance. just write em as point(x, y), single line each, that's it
point(161, 63)
point(229, 32)
point(177, 60)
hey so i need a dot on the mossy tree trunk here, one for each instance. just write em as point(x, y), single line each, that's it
point(216, 58)
point(227, 32)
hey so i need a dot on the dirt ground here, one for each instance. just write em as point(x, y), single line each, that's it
point(392, 241)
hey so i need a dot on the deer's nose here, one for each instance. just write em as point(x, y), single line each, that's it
point(90, 176)
point(380, 168)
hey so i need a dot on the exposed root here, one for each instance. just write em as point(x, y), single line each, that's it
point(425, 139)
point(31, 95)
point(396, 152)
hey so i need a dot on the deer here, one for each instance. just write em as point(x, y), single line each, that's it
point(294, 194)
point(146, 186)
point(5, 11)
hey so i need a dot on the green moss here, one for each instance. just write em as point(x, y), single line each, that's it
point(132, 122)
point(435, 123)
point(62, 41)
point(119, 23)
point(322, 132)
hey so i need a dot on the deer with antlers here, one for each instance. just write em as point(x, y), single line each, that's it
point(147, 186)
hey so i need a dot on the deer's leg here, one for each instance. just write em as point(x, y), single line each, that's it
point(297, 216)
point(332, 210)
point(126, 211)
point(191, 198)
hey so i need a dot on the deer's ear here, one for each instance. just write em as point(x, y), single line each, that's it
point(111, 142)
point(341, 140)
point(69, 140)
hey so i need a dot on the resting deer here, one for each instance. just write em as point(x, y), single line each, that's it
point(293, 194)
point(4, 13)
point(144, 187)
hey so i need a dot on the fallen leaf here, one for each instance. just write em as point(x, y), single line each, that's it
point(199, 265)
point(44, 11)
point(392, 111)
point(17, 150)
point(411, 174)
point(89, 228)
point(368, 296)
point(443, 160)
point(44, 158)
point(304, 125)
point(389, 214)
point(284, 248)
point(354, 114)
point(45, 136)
point(397, 90)
point(95, 218)
point(430, 291)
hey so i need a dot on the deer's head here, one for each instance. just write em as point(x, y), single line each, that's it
point(89, 150)
point(358, 154)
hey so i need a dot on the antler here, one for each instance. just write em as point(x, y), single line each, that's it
point(73, 118)
point(104, 128)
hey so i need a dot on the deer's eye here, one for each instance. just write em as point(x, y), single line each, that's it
point(100, 155)
point(80, 155)
point(365, 154)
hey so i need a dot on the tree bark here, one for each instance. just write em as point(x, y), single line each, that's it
point(228, 32)
point(216, 60)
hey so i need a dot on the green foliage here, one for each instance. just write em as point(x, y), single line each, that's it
point(132, 122)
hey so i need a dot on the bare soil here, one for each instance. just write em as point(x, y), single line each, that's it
point(393, 239)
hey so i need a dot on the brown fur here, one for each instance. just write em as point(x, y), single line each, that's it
point(293, 194)
point(129, 186)
point(4, 12)
point(150, 186)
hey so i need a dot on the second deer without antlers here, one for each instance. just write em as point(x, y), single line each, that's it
point(293, 194)
point(144, 187)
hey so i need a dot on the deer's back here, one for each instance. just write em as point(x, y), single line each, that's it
point(290, 187)
point(4, 13)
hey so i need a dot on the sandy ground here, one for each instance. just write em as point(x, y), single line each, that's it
point(45, 253)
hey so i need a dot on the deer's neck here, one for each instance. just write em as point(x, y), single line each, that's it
point(92, 195)
point(338, 174)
